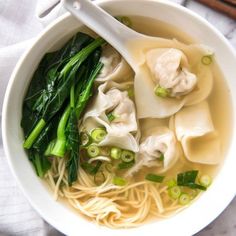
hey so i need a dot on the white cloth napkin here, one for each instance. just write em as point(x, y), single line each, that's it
point(20, 22)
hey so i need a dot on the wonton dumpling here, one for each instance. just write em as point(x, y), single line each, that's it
point(160, 140)
point(196, 132)
point(115, 68)
point(151, 106)
point(111, 99)
point(169, 69)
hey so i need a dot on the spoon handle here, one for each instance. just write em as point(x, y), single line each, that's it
point(101, 22)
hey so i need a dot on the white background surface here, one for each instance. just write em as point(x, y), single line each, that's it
point(18, 25)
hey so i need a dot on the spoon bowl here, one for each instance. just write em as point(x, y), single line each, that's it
point(129, 43)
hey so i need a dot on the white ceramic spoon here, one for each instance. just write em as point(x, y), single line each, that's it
point(121, 37)
point(133, 47)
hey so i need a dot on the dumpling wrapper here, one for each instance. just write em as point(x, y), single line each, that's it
point(151, 106)
point(195, 130)
point(169, 68)
point(121, 131)
point(156, 141)
point(115, 68)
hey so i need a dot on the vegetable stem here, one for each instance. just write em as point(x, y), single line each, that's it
point(34, 134)
point(60, 145)
point(82, 54)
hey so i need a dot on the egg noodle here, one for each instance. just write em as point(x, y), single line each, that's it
point(114, 206)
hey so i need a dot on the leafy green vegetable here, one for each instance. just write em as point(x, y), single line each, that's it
point(44, 80)
point(59, 92)
point(49, 121)
point(188, 179)
point(40, 163)
point(73, 148)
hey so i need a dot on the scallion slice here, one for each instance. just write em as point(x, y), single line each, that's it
point(116, 153)
point(205, 180)
point(206, 60)
point(171, 183)
point(124, 20)
point(161, 91)
point(161, 158)
point(111, 117)
point(98, 134)
point(127, 156)
point(99, 178)
point(174, 192)
point(125, 165)
point(119, 181)
point(130, 92)
point(184, 199)
point(93, 151)
point(155, 178)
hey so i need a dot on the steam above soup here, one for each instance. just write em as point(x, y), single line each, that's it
point(122, 148)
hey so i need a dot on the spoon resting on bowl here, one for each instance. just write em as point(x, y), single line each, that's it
point(133, 46)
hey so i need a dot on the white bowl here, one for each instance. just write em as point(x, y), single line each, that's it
point(187, 222)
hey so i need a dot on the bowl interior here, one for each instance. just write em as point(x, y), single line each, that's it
point(57, 213)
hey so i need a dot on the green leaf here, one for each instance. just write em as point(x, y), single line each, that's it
point(188, 179)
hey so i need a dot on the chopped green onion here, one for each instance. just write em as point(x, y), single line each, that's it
point(99, 178)
point(109, 167)
point(116, 153)
point(85, 139)
point(127, 156)
point(130, 92)
point(105, 151)
point(93, 151)
point(174, 192)
point(184, 199)
point(171, 183)
point(125, 165)
point(155, 178)
point(119, 181)
point(161, 91)
point(161, 158)
point(98, 134)
point(124, 20)
point(206, 60)
point(205, 180)
point(110, 117)
point(90, 168)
